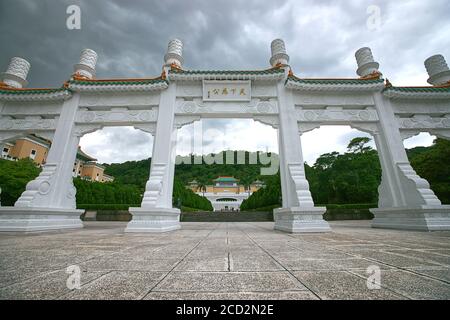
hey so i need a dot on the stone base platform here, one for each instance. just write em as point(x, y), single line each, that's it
point(427, 218)
point(18, 219)
point(153, 220)
point(301, 220)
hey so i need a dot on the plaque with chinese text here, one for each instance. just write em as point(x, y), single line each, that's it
point(214, 90)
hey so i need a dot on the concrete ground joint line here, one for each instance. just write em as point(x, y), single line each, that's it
point(177, 264)
point(401, 268)
point(383, 286)
point(83, 285)
point(292, 275)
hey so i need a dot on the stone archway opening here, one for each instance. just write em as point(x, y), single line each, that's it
point(112, 167)
point(343, 170)
point(225, 149)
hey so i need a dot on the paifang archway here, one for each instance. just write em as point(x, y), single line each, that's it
point(273, 96)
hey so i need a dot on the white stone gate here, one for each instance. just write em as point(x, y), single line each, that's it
point(178, 97)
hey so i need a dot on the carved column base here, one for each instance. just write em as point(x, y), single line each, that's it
point(301, 220)
point(426, 218)
point(154, 220)
point(16, 219)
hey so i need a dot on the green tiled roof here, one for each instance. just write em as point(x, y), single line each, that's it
point(226, 179)
point(117, 82)
point(83, 156)
point(419, 89)
point(31, 91)
point(335, 81)
point(228, 72)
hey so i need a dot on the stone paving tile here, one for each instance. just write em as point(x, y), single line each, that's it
point(229, 281)
point(396, 260)
point(225, 261)
point(424, 255)
point(287, 295)
point(47, 286)
point(342, 285)
point(11, 276)
point(440, 274)
point(110, 264)
point(123, 285)
point(413, 285)
point(261, 262)
point(207, 264)
point(326, 264)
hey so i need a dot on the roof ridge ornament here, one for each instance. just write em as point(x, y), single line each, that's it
point(367, 66)
point(16, 73)
point(438, 70)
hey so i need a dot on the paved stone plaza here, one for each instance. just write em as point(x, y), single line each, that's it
point(226, 261)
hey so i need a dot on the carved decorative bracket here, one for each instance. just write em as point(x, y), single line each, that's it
point(182, 120)
point(117, 116)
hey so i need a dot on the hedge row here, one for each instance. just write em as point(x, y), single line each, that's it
point(106, 206)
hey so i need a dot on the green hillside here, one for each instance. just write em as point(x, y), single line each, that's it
point(349, 178)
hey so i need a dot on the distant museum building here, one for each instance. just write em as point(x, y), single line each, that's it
point(226, 194)
point(36, 148)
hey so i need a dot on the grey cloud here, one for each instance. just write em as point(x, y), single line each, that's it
point(131, 36)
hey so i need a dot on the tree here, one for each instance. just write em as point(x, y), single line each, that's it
point(358, 145)
point(14, 176)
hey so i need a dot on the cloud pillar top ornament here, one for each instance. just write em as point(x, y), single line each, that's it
point(366, 63)
point(174, 53)
point(16, 73)
point(438, 70)
point(86, 67)
point(279, 55)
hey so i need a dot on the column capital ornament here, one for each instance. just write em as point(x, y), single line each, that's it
point(85, 68)
point(366, 63)
point(16, 73)
point(438, 70)
point(279, 55)
point(174, 55)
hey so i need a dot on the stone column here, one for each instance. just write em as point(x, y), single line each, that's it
point(156, 213)
point(48, 203)
point(405, 199)
point(298, 213)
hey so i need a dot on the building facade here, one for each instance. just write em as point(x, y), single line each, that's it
point(226, 194)
point(37, 148)
point(30, 146)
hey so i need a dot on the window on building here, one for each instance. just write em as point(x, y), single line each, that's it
point(33, 154)
point(5, 152)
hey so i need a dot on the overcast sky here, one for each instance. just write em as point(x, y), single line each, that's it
point(131, 39)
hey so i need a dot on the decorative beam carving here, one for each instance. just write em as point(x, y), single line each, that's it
point(119, 116)
point(337, 115)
